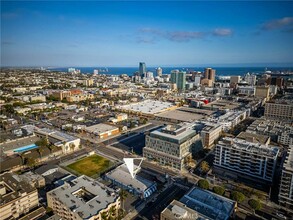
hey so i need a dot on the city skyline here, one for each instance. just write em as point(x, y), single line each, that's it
point(157, 33)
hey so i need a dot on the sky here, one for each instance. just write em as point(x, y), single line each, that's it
point(167, 33)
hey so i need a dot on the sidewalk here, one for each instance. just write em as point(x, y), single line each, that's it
point(135, 212)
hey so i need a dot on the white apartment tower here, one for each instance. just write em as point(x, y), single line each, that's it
point(250, 159)
point(286, 186)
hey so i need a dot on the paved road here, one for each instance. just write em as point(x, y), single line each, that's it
point(153, 209)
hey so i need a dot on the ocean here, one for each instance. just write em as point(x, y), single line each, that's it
point(220, 71)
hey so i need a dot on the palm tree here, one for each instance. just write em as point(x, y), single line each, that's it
point(50, 148)
point(22, 157)
point(104, 215)
point(88, 143)
point(40, 151)
point(72, 146)
point(204, 166)
point(31, 162)
point(112, 212)
point(123, 195)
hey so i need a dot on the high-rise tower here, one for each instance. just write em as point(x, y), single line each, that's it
point(179, 78)
point(159, 72)
point(142, 69)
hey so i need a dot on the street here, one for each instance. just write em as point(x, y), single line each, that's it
point(153, 209)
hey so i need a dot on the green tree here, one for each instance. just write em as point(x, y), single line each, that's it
point(40, 151)
point(7, 109)
point(88, 143)
point(123, 195)
point(42, 142)
point(254, 204)
point(22, 158)
point(203, 183)
point(132, 125)
point(104, 215)
point(219, 190)
point(204, 166)
point(112, 213)
point(31, 162)
point(237, 196)
point(72, 146)
point(51, 147)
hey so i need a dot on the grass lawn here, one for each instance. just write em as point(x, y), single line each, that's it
point(91, 166)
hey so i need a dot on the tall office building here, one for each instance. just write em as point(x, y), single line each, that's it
point(286, 186)
point(209, 77)
point(246, 158)
point(172, 145)
point(142, 69)
point(181, 81)
point(210, 74)
point(174, 74)
point(159, 71)
point(178, 78)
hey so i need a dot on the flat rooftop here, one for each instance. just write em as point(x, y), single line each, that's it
point(122, 175)
point(13, 188)
point(256, 148)
point(100, 128)
point(211, 127)
point(223, 105)
point(187, 132)
point(181, 115)
point(263, 125)
point(208, 205)
point(177, 209)
point(17, 143)
point(255, 138)
point(148, 107)
point(84, 195)
point(197, 111)
point(56, 134)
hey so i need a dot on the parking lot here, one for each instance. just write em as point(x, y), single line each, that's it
point(133, 144)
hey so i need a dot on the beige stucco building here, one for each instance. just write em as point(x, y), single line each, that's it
point(83, 198)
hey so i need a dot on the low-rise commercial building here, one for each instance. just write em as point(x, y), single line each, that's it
point(34, 179)
point(67, 142)
point(254, 138)
point(286, 185)
point(83, 198)
point(172, 145)
point(250, 159)
point(119, 117)
point(137, 185)
point(200, 204)
point(102, 130)
point(147, 107)
point(16, 197)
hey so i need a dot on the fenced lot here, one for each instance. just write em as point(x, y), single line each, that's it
point(91, 166)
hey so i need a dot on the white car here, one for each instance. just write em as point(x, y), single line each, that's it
point(281, 215)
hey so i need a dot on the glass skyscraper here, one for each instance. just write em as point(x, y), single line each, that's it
point(142, 69)
point(179, 78)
